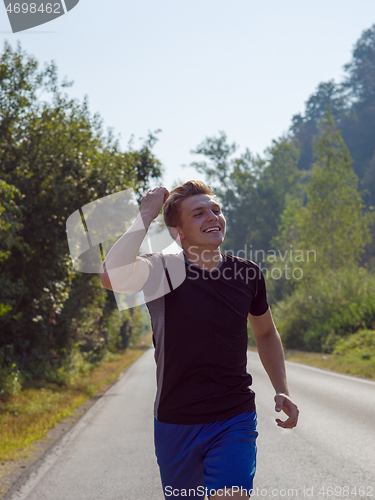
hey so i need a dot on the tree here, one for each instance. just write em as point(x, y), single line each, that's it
point(358, 127)
point(360, 81)
point(56, 156)
point(252, 190)
point(218, 151)
point(305, 127)
point(10, 226)
point(352, 103)
point(334, 224)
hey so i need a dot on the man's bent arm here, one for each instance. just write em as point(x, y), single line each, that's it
point(122, 270)
point(271, 354)
point(122, 265)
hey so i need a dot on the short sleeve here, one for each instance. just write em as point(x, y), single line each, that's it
point(156, 282)
point(259, 304)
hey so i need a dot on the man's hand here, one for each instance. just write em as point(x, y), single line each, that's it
point(285, 404)
point(152, 202)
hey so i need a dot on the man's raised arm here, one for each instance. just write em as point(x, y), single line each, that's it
point(122, 270)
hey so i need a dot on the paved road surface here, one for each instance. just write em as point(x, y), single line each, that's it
point(333, 444)
point(109, 453)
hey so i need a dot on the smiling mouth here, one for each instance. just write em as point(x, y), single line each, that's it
point(215, 229)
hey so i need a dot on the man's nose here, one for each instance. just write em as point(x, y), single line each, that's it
point(213, 216)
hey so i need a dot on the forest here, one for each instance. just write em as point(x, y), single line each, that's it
point(304, 211)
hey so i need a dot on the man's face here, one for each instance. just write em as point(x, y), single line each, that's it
point(201, 222)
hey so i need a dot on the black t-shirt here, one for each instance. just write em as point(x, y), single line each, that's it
point(200, 337)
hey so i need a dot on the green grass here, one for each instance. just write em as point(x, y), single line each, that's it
point(349, 363)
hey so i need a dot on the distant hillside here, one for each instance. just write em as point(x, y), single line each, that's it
point(352, 102)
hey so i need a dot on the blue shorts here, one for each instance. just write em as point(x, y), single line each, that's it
point(195, 460)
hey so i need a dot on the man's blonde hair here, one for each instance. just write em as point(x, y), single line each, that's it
point(171, 210)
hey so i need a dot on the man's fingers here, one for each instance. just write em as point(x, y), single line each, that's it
point(285, 404)
point(289, 423)
point(166, 196)
point(153, 201)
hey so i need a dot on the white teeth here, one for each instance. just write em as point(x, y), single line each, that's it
point(212, 229)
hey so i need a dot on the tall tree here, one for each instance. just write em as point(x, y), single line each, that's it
point(305, 127)
point(360, 80)
point(358, 127)
point(54, 153)
point(334, 224)
point(352, 103)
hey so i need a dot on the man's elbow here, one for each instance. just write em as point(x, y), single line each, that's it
point(106, 282)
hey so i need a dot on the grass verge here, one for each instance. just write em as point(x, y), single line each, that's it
point(348, 364)
point(29, 415)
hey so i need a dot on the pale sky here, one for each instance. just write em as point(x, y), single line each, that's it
point(194, 68)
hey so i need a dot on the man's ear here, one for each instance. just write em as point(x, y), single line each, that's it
point(176, 233)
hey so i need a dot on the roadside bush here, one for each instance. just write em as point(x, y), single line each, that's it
point(71, 367)
point(361, 343)
point(10, 376)
point(10, 381)
point(327, 307)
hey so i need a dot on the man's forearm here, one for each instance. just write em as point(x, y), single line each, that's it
point(271, 353)
point(124, 252)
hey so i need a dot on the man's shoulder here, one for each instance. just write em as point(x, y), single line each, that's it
point(162, 257)
point(167, 266)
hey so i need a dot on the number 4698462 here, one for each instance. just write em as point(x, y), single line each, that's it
point(25, 8)
point(346, 491)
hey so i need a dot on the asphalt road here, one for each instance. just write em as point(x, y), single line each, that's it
point(109, 453)
point(332, 447)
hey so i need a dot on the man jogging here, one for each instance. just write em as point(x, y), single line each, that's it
point(205, 420)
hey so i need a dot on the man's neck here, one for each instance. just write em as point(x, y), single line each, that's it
point(205, 258)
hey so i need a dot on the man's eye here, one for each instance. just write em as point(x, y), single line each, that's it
point(197, 215)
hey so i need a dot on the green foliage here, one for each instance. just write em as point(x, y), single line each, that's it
point(334, 297)
point(357, 353)
point(12, 290)
point(73, 364)
point(290, 252)
point(54, 158)
point(218, 151)
point(252, 190)
point(361, 343)
point(353, 106)
point(333, 222)
point(10, 219)
point(361, 69)
point(328, 219)
point(10, 376)
point(10, 381)
point(326, 307)
point(121, 328)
